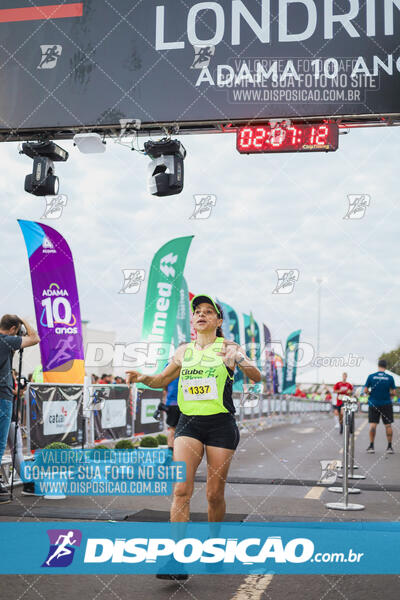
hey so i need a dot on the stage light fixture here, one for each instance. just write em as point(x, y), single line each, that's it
point(165, 172)
point(89, 143)
point(43, 181)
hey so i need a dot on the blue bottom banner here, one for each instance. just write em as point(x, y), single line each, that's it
point(204, 548)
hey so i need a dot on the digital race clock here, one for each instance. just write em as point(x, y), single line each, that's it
point(296, 138)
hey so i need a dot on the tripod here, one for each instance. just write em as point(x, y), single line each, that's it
point(15, 418)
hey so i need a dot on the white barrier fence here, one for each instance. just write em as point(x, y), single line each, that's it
point(85, 415)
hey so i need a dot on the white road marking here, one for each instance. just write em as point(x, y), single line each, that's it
point(314, 493)
point(303, 430)
point(359, 430)
point(253, 587)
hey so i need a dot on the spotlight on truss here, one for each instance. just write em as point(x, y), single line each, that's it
point(43, 181)
point(166, 168)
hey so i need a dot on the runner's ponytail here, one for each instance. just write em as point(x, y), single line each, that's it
point(219, 331)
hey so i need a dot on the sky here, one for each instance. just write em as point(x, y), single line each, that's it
point(272, 212)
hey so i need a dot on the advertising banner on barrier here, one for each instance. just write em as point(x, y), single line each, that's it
point(174, 62)
point(290, 364)
point(182, 326)
point(231, 331)
point(162, 301)
point(147, 401)
point(55, 296)
point(113, 418)
point(55, 415)
point(208, 548)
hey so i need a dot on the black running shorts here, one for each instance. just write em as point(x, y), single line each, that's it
point(173, 415)
point(218, 430)
point(385, 411)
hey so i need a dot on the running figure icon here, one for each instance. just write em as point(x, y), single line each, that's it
point(62, 550)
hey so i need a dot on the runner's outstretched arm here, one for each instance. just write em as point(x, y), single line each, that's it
point(161, 380)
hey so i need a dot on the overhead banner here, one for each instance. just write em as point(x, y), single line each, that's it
point(231, 331)
point(182, 325)
point(162, 301)
point(55, 296)
point(95, 64)
point(290, 364)
point(269, 379)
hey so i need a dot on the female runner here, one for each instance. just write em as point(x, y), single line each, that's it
point(205, 368)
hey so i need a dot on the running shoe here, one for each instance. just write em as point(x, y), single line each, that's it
point(175, 577)
point(371, 449)
point(3, 490)
point(389, 450)
point(29, 489)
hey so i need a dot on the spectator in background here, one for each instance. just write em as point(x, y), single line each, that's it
point(10, 341)
point(103, 379)
point(328, 396)
point(341, 387)
point(299, 393)
point(170, 399)
point(94, 379)
point(381, 388)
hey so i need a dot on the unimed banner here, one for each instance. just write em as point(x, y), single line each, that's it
point(182, 325)
point(55, 415)
point(162, 300)
point(290, 364)
point(103, 62)
point(55, 296)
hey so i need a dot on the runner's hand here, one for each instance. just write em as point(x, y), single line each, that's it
point(134, 376)
point(229, 352)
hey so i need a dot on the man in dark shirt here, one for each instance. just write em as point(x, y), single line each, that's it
point(170, 399)
point(381, 388)
point(9, 343)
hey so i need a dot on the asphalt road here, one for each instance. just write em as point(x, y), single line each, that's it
point(273, 477)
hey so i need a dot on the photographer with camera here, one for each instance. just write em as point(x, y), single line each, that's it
point(15, 334)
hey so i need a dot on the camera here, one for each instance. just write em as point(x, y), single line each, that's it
point(22, 330)
point(160, 408)
point(23, 382)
